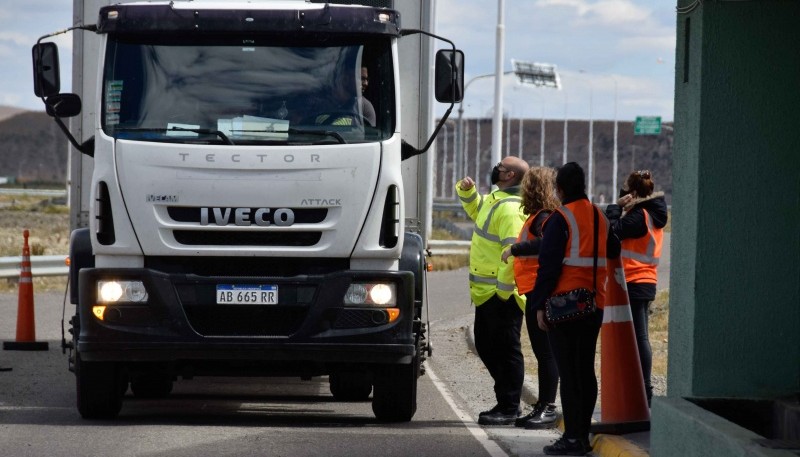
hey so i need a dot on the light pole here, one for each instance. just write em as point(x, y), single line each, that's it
point(444, 161)
point(519, 137)
point(614, 171)
point(564, 155)
point(541, 140)
point(497, 125)
point(590, 184)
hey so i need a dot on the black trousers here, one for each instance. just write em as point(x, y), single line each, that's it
point(574, 345)
point(546, 361)
point(498, 325)
point(640, 310)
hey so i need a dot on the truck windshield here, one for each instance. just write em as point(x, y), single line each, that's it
point(249, 90)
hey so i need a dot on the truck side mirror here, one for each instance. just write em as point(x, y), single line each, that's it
point(63, 105)
point(449, 76)
point(46, 77)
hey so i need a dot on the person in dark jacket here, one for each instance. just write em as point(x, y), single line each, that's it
point(566, 263)
point(638, 219)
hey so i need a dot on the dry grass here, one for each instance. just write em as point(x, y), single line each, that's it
point(659, 337)
point(48, 226)
point(446, 262)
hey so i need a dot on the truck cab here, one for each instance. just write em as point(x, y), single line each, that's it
point(247, 211)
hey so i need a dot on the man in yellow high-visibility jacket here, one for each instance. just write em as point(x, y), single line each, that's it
point(498, 219)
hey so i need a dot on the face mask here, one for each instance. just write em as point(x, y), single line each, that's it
point(495, 178)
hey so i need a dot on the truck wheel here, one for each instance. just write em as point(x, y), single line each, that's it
point(98, 389)
point(395, 395)
point(151, 387)
point(347, 386)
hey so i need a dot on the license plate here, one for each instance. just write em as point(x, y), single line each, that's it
point(247, 294)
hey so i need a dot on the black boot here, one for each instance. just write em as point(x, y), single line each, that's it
point(542, 416)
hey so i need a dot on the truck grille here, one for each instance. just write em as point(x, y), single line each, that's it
point(246, 320)
point(236, 238)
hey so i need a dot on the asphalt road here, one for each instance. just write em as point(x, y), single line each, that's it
point(254, 416)
point(259, 416)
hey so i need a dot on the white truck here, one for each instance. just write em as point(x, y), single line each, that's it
point(236, 209)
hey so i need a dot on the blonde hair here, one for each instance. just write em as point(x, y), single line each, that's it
point(539, 190)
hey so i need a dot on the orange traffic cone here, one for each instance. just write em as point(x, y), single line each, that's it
point(26, 326)
point(623, 401)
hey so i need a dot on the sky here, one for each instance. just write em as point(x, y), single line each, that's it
point(612, 56)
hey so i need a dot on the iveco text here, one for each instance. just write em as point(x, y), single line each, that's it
point(282, 217)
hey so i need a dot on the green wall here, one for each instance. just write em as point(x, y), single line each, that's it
point(735, 272)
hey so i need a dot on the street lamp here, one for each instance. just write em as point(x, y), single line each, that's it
point(538, 75)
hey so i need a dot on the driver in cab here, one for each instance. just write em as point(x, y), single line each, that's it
point(347, 107)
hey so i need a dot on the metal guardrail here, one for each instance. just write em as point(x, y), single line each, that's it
point(39, 192)
point(41, 265)
point(55, 265)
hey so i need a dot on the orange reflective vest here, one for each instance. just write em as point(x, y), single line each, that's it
point(640, 255)
point(526, 266)
point(577, 270)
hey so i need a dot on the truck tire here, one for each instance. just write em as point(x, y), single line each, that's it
point(98, 389)
point(395, 395)
point(349, 386)
point(151, 387)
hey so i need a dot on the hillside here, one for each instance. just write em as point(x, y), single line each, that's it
point(32, 149)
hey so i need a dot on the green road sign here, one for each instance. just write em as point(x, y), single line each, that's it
point(647, 125)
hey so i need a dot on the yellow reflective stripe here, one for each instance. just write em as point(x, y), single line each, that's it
point(485, 235)
point(497, 205)
point(505, 287)
point(482, 279)
point(469, 199)
point(492, 281)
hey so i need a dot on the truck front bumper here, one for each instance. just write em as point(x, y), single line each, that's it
point(181, 321)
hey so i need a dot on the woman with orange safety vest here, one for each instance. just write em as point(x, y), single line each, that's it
point(566, 262)
point(538, 201)
point(638, 219)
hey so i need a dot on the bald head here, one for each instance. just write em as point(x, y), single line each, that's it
point(515, 170)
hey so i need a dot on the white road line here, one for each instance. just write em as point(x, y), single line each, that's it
point(477, 431)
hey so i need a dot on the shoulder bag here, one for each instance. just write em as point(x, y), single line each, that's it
point(577, 303)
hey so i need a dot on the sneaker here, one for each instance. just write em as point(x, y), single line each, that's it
point(543, 416)
point(566, 446)
point(497, 418)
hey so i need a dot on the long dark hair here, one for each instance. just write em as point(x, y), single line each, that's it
point(571, 180)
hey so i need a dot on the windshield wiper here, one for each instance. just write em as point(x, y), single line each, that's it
point(222, 136)
point(331, 133)
point(179, 129)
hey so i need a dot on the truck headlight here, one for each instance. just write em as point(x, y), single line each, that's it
point(371, 294)
point(121, 291)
